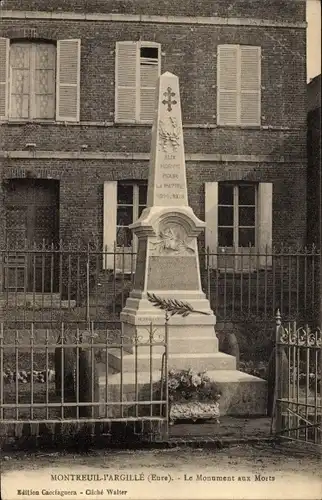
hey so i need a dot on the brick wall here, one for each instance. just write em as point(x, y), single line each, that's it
point(189, 51)
point(314, 177)
point(270, 9)
point(81, 190)
point(314, 160)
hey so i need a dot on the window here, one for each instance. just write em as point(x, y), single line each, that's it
point(236, 215)
point(39, 81)
point(238, 223)
point(238, 85)
point(137, 68)
point(124, 202)
point(131, 200)
point(32, 75)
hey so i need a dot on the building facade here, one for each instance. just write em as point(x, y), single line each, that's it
point(76, 104)
point(314, 161)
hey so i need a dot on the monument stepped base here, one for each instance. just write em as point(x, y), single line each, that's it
point(195, 361)
point(242, 394)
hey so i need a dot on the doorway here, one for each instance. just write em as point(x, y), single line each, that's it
point(31, 227)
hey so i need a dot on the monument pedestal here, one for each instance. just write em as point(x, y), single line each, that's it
point(168, 266)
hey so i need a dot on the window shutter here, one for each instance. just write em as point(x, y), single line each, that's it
point(250, 85)
point(4, 77)
point(109, 223)
point(149, 74)
point(211, 219)
point(227, 85)
point(126, 84)
point(265, 223)
point(68, 80)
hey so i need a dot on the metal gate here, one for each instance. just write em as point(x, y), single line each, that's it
point(298, 363)
point(75, 379)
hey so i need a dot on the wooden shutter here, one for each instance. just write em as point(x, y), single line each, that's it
point(126, 82)
point(4, 77)
point(265, 223)
point(250, 85)
point(68, 80)
point(149, 74)
point(109, 223)
point(211, 219)
point(227, 85)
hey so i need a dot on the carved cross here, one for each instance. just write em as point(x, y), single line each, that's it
point(168, 101)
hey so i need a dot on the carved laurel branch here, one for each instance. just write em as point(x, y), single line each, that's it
point(173, 306)
point(169, 137)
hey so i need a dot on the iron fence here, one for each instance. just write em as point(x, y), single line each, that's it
point(54, 284)
point(298, 363)
point(84, 377)
point(65, 360)
point(250, 284)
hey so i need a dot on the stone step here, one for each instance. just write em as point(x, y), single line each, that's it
point(197, 344)
point(195, 361)
point(241, 394)
point(179, 345)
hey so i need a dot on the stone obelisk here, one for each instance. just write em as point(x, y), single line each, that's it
point(168, 260)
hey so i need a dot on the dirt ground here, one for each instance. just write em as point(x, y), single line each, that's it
point(283, 457)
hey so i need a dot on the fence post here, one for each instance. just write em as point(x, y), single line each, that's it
point(281, 375)
point(273, 406)
point(277, 392)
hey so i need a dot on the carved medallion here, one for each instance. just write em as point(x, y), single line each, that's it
point(173, 239)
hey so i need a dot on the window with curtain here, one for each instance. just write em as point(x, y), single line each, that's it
point(32, 89)
point(40, 80)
